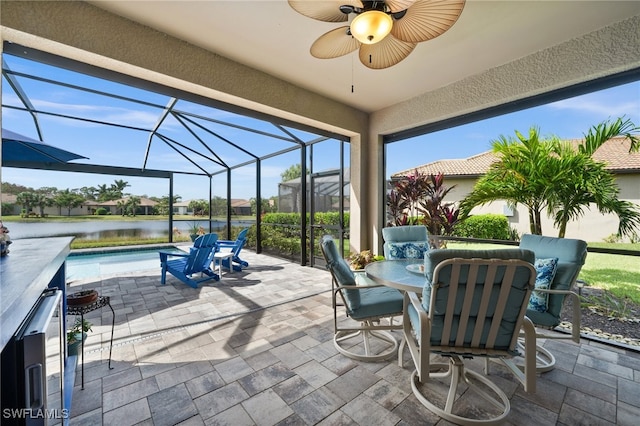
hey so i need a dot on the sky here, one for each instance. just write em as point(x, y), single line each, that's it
point(567, 119)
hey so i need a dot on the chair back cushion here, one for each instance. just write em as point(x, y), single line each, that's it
point(571, 254)
point(405, 242)
point(457, 298)
point(340, 271)
point(436, 256)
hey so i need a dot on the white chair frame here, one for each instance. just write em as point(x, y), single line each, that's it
point(421, 349)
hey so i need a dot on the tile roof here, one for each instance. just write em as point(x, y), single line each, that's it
point(239, 202)
point(615, 152)
point(143, 202)
point(8, 198)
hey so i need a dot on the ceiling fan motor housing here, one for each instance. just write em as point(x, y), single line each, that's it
point(384, 32)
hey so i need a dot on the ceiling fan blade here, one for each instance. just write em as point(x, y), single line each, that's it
point(334, 43)
point(399, 5)
point(327, 11)
point(427, 19)
point(385, 53)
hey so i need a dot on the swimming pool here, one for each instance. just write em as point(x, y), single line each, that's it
point(108, 262)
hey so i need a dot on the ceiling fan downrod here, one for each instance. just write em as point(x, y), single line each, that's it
point(372, 5)
point(368, 5)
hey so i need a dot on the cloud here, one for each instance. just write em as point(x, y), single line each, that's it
point(123, 116)
point(610, 104)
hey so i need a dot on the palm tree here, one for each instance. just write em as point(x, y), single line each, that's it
point(27, 199)
point(68, 199)
point(43, 200)
point(118, 186)
point(590, 183)
point(103, 192)
point(524, 175)
point(132, 205)
point(552, 176)
point(120, 205)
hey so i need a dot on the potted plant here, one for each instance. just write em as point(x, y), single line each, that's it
point(358, 261)
point(195, 230)
point(76, 334)
point(4, 239)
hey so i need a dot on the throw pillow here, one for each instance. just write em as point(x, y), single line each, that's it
point(545, 272)
point(408, 250)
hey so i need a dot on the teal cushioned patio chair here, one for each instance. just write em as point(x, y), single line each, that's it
point(234, 247)
point(365, 302)
point(405, 242)
point(571, 255)
point(185, 266)
point(473, 305)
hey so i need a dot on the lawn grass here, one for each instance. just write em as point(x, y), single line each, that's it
point(80, 243)
point(617, 274)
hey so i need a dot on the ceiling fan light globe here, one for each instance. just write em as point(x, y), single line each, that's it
point(371, 26)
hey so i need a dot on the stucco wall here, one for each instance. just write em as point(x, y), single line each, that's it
point(592, 227)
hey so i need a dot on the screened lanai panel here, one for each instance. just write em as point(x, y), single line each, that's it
point(57, 95)
point(126, 126)
point(60, 80)
point(202, 149)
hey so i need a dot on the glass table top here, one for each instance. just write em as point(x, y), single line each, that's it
point(403, 274)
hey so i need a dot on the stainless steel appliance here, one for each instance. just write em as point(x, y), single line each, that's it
point(32, 367)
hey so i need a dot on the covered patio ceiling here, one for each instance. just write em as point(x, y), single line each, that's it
point(269, 36)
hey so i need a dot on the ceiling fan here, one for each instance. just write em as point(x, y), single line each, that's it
point(386, 32)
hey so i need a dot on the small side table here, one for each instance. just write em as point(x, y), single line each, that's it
point(219, 257)
point(83, 309)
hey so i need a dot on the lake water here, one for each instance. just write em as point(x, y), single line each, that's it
point(109, 229)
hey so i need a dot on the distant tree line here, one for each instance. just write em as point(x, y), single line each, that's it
point(34, 201)
point(30, 199)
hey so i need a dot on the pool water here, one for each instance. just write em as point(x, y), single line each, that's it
point(95, 264)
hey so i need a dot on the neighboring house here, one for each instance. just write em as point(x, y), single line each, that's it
point(145, 207)
point(14, 208)
point(240, 207)
point(9, 204)
point(86, 208)
point(593, 226)
point(182, 208)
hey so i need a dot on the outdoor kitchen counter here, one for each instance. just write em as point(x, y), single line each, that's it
point(32, 265)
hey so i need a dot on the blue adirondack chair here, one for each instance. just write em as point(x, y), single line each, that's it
point(197, 261)
point(234, 247)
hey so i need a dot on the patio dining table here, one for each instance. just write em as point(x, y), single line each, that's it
point(403, 274)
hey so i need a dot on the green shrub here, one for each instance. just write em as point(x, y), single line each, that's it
point(101, 211)
point(613, 238)
point(485, 226)
point(280, 232)
point(7, 208)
